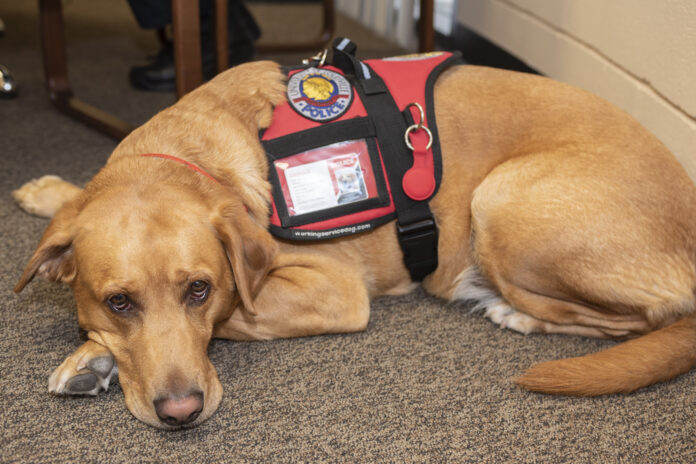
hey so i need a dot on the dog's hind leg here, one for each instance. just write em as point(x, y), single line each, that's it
point(45, 196)
point(571, 242)
point(474, 289)
point(87, 371)
point(584, 242)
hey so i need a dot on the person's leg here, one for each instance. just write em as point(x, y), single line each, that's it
point(152, 14)
point(8, 84)
point(159, 74)
point(243, 33)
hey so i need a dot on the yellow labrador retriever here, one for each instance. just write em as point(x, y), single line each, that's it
point(557, 212)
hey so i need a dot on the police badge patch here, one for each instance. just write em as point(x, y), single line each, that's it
point(319, 94)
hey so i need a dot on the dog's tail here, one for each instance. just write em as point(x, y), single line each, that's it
point(655, 357)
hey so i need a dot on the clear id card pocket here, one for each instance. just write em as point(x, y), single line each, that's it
point(328, 182)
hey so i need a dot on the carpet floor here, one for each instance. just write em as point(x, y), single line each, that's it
point(426, 382)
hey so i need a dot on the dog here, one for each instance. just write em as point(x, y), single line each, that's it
point(558, 213)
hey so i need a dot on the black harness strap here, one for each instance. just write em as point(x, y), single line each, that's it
point(417, 230)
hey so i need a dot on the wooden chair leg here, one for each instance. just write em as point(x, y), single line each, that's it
point(187, 46)
point(222, 53)
point(328, 26)
point(426, 32)
point(52, 28)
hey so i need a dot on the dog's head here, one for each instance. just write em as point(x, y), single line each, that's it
point(157, 255)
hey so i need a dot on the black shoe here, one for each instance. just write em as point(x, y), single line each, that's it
point(158, 75)
point(8, 84)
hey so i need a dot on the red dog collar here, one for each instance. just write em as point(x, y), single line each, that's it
point(182, 161)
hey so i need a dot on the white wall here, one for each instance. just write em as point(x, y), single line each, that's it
point(638, 54)
point(396, 19)
point(392, 19)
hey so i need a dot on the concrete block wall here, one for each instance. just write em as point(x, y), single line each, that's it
point(638, 54)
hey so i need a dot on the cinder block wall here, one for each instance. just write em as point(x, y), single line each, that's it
point(638, 54)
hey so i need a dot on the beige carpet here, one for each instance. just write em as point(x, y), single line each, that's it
point(427, 381)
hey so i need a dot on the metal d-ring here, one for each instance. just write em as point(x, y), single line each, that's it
point(414, 128)
point(420, 111)
point(418, 126)
point(321, 57)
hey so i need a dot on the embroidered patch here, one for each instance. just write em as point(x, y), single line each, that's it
point(319, 94)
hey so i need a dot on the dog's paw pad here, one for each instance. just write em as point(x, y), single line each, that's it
point(81, 384)
point(102, 366)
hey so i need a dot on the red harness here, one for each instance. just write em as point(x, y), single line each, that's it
point(355, 146)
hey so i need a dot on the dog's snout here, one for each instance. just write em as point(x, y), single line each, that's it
point(179, 410)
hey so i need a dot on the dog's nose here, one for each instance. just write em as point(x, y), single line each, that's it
point(179, 410)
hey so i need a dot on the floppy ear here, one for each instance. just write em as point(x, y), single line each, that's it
point(250, 250)
point(53, 259)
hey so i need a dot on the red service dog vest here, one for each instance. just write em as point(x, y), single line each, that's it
point(355, 146)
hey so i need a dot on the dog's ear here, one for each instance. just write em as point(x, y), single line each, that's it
point(250, 249)
point(53, 259)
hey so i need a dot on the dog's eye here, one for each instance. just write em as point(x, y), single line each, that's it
point(198, 291)
point(120, 303)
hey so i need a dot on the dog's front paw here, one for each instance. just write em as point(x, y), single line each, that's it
point(87, 372)
point(45, 196)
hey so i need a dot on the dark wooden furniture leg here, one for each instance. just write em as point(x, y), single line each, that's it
point(56, 70)
point(426, 32)
point(221, 35)
point(187, 46)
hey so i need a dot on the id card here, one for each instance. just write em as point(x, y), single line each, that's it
point(326, 177)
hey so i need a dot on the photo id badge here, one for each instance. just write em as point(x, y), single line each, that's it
point(326, 177)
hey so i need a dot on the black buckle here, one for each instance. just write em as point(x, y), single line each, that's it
point(418, 242)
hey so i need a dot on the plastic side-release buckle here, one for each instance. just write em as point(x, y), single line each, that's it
point(418, 242)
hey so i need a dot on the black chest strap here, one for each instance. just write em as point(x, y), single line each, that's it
point(416, 227)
